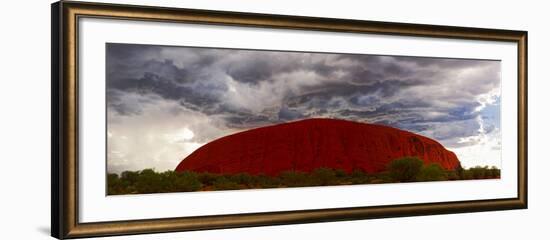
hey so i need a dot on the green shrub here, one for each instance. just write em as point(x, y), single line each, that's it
point(294, 179)
point(264, 181)
point(340, 173)
point(186, 182)
point(452, 175)
point(148, 181)
point(459, 170)
point(114, 184)
point(207, 178)
point(242, 179)
point(323, 176)
point(495, 172)
point(432, 172)
point(359, 176)
point(225, 183)
point(467, 175)
point(129, 177)
point(479, 172)
point(405, 169)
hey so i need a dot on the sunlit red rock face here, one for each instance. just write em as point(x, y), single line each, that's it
point(313, 143)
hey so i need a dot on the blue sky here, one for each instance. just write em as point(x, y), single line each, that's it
point(164, 102)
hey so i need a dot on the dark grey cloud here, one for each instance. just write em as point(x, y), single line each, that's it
point(246, 88)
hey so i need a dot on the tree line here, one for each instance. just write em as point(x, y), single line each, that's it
point(408, 169)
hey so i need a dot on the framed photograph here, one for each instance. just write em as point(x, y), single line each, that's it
point(168, 119)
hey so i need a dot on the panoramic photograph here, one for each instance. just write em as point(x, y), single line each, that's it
point(189, 119)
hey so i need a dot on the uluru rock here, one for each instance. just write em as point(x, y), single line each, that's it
point(314, 143)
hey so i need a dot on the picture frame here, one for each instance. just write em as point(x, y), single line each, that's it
point(66, 204)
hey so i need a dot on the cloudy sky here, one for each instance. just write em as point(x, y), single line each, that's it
point(164, 102)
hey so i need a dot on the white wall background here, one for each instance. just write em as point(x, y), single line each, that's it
point(25, 119)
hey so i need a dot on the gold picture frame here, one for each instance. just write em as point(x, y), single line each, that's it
point(65, 114)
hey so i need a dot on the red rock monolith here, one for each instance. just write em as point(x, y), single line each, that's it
point(314, 143)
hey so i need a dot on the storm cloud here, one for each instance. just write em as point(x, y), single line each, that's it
point(455, 101)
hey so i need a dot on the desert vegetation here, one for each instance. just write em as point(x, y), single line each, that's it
point(408, 169)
